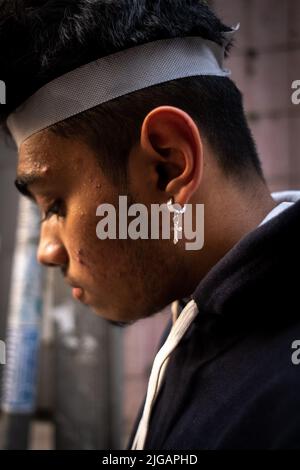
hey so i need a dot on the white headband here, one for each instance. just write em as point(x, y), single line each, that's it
point(116, 75)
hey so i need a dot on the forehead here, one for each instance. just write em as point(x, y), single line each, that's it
point(48, 152)
point(41, 150)
point(47, 160)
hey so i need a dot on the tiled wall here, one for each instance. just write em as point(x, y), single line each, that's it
point(265, 61)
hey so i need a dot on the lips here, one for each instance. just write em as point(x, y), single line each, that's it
point(77, 293)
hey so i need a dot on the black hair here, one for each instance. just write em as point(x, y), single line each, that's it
point(41, 40)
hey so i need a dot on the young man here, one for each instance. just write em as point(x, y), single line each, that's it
point(131, 98)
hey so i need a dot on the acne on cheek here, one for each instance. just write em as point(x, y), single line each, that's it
point(80, 257)
point(76, 235)
point(40, 165)
point(86, 262)
point(45, 170)
point(85, 243)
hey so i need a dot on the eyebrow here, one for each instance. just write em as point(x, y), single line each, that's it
point(26, 179)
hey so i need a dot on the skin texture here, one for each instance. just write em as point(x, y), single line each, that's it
point(125, 280)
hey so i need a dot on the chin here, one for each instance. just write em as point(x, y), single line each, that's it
point(116, 317)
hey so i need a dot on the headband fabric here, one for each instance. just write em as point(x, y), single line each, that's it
point(114, 76)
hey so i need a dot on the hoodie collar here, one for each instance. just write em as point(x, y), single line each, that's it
point(258, 273)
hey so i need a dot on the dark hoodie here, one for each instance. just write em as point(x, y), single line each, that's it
point(231, 382)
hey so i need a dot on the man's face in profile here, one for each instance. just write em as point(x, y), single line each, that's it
point(122, 280)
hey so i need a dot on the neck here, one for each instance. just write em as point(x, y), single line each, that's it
point(229, 216)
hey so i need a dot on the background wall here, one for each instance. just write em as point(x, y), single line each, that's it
point(265, 62)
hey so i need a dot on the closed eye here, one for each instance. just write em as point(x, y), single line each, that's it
point(57, 208)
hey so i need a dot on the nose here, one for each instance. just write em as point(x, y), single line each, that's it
point(51, 251)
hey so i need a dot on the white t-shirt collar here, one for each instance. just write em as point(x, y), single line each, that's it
point(285, 200)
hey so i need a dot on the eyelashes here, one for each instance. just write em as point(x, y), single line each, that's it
point(57, 208)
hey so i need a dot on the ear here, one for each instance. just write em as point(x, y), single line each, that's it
point(170, 137)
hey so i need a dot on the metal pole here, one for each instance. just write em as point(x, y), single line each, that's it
point(23, 332)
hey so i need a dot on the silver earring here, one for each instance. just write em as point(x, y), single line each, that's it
point(177, 218)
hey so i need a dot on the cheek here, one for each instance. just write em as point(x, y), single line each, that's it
point(80, 239)
point(97, 258)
